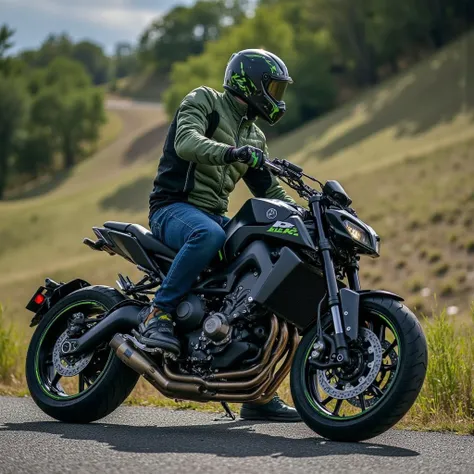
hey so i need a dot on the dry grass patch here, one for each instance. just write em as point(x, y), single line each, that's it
point(10, 360)
point(447, 398)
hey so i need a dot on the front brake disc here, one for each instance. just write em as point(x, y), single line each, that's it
point(349, 390)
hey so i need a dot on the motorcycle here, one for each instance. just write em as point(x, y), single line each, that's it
point(283, 294)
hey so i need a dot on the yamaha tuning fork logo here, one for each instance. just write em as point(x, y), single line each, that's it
point(272, 213)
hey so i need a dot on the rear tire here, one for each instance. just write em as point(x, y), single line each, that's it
point(104, 395)
point(397, 400)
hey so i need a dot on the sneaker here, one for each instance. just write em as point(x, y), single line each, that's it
point(275, 410)
point(157, 331)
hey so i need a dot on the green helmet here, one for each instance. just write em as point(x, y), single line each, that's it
point(260, 79)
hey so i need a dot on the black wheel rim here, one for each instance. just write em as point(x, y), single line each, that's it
point(53, 384)
point(336, 408)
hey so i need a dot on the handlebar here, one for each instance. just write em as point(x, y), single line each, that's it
point(292, 166)
point(292, 175)
point(279, 166)
point(269, 164)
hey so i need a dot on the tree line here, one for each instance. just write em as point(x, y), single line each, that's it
point(51, 112)
point(333, 47)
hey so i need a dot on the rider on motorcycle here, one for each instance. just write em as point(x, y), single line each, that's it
point(212, 143)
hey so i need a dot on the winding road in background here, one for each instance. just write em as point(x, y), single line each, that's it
point(154, 440)
point(123, 104)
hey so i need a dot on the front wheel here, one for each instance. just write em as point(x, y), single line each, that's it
point(379, 386)
point(77, 389)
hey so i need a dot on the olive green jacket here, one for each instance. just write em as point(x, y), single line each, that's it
point(192, 168)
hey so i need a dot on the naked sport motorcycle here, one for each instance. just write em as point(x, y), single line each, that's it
point(283, 294)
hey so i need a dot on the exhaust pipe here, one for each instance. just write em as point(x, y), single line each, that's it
point(197, 390)
point(241, 385)
point(123, 319)
point(145, 367)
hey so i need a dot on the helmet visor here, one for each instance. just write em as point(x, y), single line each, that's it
point(276, 89)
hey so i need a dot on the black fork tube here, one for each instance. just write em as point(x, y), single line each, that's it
point(331, 281)
point(353, 276)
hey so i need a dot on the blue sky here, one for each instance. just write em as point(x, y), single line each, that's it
point(104, 21)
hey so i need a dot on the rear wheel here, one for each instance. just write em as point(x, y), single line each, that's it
point(77, 389)
point(387, 370)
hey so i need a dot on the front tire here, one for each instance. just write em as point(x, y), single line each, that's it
point(386, 404)
point(110, 381)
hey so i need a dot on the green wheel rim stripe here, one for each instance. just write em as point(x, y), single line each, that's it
point(331, 417)
point(45, 332)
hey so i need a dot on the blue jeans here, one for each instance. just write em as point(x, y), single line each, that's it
point(197, 235)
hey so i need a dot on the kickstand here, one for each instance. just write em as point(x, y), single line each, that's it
point(228, 413)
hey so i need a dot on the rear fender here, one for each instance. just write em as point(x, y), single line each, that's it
point(55, 292)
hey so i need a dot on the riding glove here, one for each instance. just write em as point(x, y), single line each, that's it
point(251, 156)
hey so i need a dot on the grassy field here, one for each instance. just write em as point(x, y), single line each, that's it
point(110, 131)
point(404, 152)
point(428, 107)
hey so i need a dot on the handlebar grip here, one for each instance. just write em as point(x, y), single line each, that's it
point(292, 167)
point(272, 166)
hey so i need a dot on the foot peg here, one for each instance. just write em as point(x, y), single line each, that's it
point(142, 347)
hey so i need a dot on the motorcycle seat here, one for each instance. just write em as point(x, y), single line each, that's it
point(144, 237)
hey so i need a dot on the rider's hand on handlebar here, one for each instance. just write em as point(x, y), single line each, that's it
point(251, 156)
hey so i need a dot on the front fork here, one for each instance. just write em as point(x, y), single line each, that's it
point(344, 300)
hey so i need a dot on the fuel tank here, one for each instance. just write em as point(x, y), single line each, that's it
point(271, 220)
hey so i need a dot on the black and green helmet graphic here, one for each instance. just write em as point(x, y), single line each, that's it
point(259, 78)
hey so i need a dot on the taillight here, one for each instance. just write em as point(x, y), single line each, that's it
point(39, 298)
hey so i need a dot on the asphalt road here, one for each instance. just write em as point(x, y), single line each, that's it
point(142, 440)
point(123, 103)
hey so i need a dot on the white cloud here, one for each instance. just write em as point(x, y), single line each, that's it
point(127, 20)
point(117, 15)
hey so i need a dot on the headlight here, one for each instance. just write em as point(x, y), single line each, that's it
point(358, 234)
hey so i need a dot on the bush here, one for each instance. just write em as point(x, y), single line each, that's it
point(447, 289)
point(453, 237)
point(400, 264)
point(434, 256)
point(414, 284)
point(436, 217)
point(470, 246)
point(441, 269)
point(9, 350)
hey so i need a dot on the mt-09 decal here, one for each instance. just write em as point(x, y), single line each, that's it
point(280, 227)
